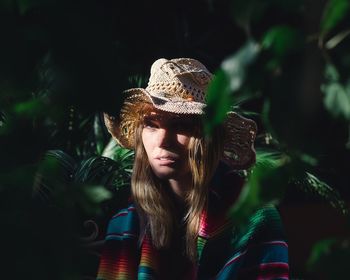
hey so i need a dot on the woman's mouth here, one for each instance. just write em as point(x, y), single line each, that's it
point(166, 160)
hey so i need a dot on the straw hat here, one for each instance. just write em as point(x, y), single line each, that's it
point(179, 86)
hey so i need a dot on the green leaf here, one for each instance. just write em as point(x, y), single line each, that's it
point(331, 73)
point(235, 66)
point(266, 185)
point(246, 11)
point(282, 40)
point(96, 193)
point(310, 183)
point(337, 100)
point(123, 156)
point(30, 108)
point(320, 249)
point(228, 80)
point(336, 96)
point(218, 100)
point(334, 12)
point(268, 159)
point(330, 258)
point(89, 197)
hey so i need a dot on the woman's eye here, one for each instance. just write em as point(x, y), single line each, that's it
point(149, 124)
point(181, 126)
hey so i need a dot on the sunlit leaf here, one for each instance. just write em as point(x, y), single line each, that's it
point(124, 157)
point(337, 39)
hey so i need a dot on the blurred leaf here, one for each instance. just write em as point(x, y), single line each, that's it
point(266, 184)
point(330, 258)
point(99, 137)
point(138, 81)
point(331, 73)
point(335, 40)
point(30, 108)
point(336, 96)
point(269, 159)
point(310, 160)
point(20, 176)
point(246, 11)
point(235, 67)
point(334, 11)
point(228, 80)
point(96, 194)
point(55, 173)
point(218, 100)
point(320, 249)
point(67, 184)
point(282, 40)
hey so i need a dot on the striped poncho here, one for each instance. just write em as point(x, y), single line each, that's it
point(256, 251)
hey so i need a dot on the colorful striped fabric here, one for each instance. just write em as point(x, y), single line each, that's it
point(256, 251)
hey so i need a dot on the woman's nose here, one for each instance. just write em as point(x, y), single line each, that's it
point(164, 138)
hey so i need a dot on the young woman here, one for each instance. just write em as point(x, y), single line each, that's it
point(183, 185)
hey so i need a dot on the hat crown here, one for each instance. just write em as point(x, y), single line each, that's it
point(183, 78)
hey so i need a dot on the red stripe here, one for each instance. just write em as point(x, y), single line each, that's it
point(266, 271)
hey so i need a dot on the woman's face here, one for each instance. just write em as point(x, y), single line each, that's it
point(165, 137)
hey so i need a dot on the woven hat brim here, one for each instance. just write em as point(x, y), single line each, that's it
point(175, 104)
point(239, 150)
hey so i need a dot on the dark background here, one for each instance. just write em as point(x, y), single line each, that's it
point(63, 63)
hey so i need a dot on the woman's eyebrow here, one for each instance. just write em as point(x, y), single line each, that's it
point(151, 117)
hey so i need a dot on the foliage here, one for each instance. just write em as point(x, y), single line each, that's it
point(329, 258)
point(63, 63)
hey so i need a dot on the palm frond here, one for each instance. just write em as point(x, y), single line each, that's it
point(311, 184)
point(125, 157)
point(268, 158)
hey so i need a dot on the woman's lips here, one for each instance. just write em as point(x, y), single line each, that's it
point(163, 161)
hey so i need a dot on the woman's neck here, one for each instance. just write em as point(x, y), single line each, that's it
point(180, 187)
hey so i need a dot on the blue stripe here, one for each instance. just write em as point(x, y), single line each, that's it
point(123, 226)
point(266, 253)
point(145, 273)
point(262, 253)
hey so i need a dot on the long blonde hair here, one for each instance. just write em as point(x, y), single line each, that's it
point(152, 200)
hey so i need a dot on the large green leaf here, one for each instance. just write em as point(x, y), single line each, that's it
point(282, 39)
point(228, 80)
point(334, 12)
point(266, 184)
